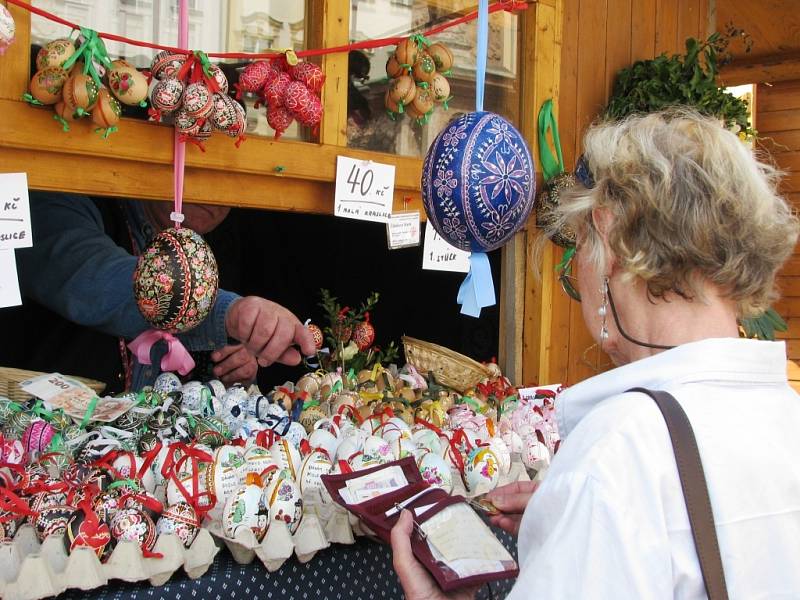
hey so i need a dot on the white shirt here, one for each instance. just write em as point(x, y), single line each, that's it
point(609, 520)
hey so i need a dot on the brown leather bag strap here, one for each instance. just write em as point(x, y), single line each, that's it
point(695, 491)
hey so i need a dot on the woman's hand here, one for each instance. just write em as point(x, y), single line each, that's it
point(511, 500)
point(416, 581)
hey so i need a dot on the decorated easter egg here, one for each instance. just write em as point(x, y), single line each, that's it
point(196, 397)
point(219, 77)
point(407, 51)
point(52, 495)
point(37, 437)
point(244, 509)
point(181, 520)
point(47, 84)
point(256, 460)
point(107, 111)
point(393, 67)
point(106, 504)
point(52, 520)
point(535, 455)
point(54, 54)
point(133, 525)
point(167, 95)
point(314, 466)
point(88, 531)
point(364, 335)
point(131, 466)
point(295, 97)
point(442, 56)
point(295, 434)
point(176, 280)
point(402, 447)
point(212, 431)
point(254, 76)
point(436, 472)
point(279, 119)
point(224, 114)
point(310, 114)
point(166, 64)
point(224, 475)
point(128, 85)
point(275, 91)
point(402, 90)
point(284, 500)
point(310, 75)
point(316, 333)
point(7, 408)
point(80, 91)
point(324, 439)
point(478, 183)
point(167, 382)
point(421, 105)
point(424, 68)
point(238, 129)
point(502, 452)
point(9, 525)
point(440, 88)
point(481, 471)
point(377, 450)
point(286, 456)
point(144, 501)
point(7, 30)
point(197, 100)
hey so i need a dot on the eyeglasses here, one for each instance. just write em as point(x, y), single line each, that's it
point(567, 279)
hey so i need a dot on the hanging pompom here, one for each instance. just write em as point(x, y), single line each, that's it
point(7, 29)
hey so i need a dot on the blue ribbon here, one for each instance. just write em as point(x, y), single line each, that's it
point(477, 290)
point(483, 51)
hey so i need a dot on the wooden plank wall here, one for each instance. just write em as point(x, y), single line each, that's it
point(778, 125)
point(599, 38)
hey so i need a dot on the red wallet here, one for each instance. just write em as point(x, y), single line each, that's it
point(381, 513)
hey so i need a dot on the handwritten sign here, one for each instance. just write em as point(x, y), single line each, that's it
point(364, 190)
point(9, 283)
point(76, 399)
point(15, 212)
point(530, 392)
point(439, 255)
point(402, 230)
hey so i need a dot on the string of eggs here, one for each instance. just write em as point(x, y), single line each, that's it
point(418, 84)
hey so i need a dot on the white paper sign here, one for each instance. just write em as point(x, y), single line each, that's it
point(402, 230)
point(9, 284)
point(364, 190)
point(439, 255)
point(530, 393)
point(15, 212)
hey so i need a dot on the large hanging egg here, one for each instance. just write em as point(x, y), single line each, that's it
point(478, 182)
point(176, 280)
point(254, 76)
point(54, 53)
point(180, 519)
point(198, 101)
point(7, 29)
point(310, 75)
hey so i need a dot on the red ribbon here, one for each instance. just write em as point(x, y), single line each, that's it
point(177, 357)
point(14, 505)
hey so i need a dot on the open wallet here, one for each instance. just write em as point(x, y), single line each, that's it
point(449, 538)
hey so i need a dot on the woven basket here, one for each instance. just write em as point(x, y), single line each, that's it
point(449, 368)
point(11, 378)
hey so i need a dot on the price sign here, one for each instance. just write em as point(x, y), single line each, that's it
point(15, 212)
point(9, 284)
point(402, 230)
point(438, 255)
point(364, 190)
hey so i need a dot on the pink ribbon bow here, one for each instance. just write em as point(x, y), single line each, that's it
point(177, 357)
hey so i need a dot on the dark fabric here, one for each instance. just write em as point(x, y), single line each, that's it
point(360, 571)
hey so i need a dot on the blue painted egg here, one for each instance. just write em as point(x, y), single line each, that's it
point(478, 182)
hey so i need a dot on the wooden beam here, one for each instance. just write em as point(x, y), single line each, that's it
point(335, 32)
point(762, 69)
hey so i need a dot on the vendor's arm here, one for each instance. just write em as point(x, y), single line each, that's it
point(76, 270)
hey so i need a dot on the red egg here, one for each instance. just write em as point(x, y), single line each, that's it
point(275, 91)
point(296, 97)
point(310, 75)
point(279, 119)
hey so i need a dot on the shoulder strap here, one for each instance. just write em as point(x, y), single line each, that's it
point(695, 491)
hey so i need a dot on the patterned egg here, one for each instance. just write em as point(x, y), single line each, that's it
point(310, 75)
point(107, 111)
point(54, 53)
point(204, 133)
point(148, 441)
point(106, 504)
point(238, 129)
point(179, 519)
point(7, 31)
point(36, 473)
point(279, 119)
point(436, 472)
point(421, 105)
point(52, 520)
point(132, 525)
point(80, 91)
point(402, 447)
point(166, 64)
point(309, 416)
point(295, 97)
point(212, 431)
point(11, 451)
point(364, 335)
point(243, 508)
point(503, 454)
point(88, 532)
point(425, 68)
point(144, 501)
point(128, 85)
point(481, 471)
point(535, 454)
point(275, 91)
point(9, 524)
point(284, 500)
point(407, 51)
point(167, 95)
point(176, 280)
point(223, 476)
point(402, 90)
point(197, 100)
point(218, 76)
point(254, 76)
point(394, 429)
point(442, 57)
point(311, 114)
point(314, 466)
point(17, 424)
point(440, 88)
point(224, 115)
point(393, 67)
point(286, 456)
point(47, 84)
point(43, 499)
point(377, 450)
point(256, 460)
point(167, 382)
point(130, 466)
point(37, 437)
point(316, 333)
point(296, 434)
point(478, 183)
point(186, 124)
point(196, 397)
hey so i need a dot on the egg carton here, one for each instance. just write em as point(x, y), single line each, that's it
point(30, 570)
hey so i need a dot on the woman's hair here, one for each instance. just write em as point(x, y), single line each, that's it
point(690, 202)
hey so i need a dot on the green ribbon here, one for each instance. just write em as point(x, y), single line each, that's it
point(39, 410)
point(472, 402)
point(124, 482)
point(204, 62)
point(104, 133)
point(63, 121)
point(551, 166)
point(79, 112)
point(91, 50)
point(310, 403)
point(56, 443)
point(568, 254)
point(89, 411)
point(391, 115)
point(422, 41)
point(337, 387)
point(31, 100)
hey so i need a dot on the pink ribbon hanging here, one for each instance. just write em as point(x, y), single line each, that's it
point(177, 357)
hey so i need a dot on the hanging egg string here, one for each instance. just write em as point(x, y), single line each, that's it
point(500, 5)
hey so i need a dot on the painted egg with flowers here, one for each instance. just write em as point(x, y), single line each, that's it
point(7, 29)
point(478, 182)
point(176, 280)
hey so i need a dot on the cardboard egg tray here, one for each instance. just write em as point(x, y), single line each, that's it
point(30, 570)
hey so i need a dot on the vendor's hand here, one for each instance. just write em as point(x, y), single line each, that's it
point(511, 500)
point(416, 581)
point(234, 364)
point(268, 331)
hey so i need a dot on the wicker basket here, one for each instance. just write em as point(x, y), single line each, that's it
point(11, 378)
point(449, 368)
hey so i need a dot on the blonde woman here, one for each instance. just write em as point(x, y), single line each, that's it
point(680, 232)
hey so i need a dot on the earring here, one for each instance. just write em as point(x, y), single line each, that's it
point(602, 311)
